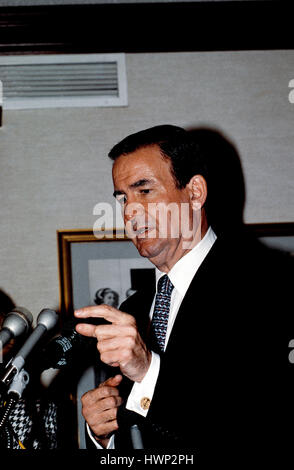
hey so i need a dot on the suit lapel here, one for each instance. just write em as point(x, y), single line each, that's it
point(192, 316)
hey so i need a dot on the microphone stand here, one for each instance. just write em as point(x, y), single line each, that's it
point(136, 437)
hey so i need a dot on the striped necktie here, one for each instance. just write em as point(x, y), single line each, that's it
point(161, 312)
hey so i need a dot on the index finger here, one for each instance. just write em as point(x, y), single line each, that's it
point(107, 312)
point(100, 332)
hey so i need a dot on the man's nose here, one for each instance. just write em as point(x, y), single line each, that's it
point(133, 210)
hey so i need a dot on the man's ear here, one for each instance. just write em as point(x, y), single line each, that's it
point(198, 191)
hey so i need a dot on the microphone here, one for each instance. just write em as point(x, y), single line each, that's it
point(16, 323)
point(70, 346)
point(47, 319)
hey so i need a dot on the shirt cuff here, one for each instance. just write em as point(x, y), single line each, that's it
point(97, 445)
point(141, 394)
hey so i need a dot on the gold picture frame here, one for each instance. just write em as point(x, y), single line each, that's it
point(65, 239)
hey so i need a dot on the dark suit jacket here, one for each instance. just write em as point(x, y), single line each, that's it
point(225, 381)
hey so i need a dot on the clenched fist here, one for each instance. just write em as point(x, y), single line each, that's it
point(119, 343)
point(99, 408)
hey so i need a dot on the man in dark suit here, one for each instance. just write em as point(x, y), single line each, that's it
point(213, 375)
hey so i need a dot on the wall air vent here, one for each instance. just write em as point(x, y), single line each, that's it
point(71, 80)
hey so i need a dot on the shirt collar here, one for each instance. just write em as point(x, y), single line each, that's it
point(182, 273)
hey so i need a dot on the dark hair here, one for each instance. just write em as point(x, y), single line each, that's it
point(174, 144)
point(199, 151)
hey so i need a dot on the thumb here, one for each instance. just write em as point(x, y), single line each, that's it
point(114, 381)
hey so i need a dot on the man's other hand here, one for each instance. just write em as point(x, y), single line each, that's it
point(99, 408)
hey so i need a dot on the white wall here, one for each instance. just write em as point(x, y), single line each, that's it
point(54, 165)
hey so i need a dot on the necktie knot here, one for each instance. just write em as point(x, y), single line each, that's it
point(164, 285)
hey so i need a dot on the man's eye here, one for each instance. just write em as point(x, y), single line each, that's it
point(144, 191)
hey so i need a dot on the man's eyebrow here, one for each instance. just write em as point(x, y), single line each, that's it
point(141, 182)
point(136, 184)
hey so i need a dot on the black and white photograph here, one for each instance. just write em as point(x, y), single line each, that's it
point(128, 277)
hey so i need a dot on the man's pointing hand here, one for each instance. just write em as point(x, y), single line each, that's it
point(119, 343)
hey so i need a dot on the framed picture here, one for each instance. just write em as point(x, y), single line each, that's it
point(98, 270)
point(275, 235)
point(92, 271)
point(109, 268)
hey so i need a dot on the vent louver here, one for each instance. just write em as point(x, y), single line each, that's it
point(42, 81)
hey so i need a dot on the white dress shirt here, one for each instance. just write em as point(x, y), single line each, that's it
point(181, 276)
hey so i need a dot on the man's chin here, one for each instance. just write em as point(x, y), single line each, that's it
point(148, 247)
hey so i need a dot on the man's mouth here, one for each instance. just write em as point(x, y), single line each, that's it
point(143, 232)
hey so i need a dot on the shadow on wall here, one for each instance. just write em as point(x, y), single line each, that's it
point(6, 305)
point(225, 180)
